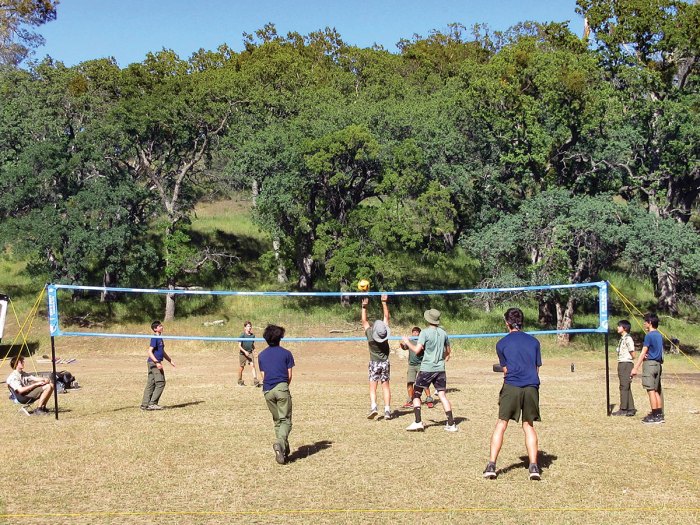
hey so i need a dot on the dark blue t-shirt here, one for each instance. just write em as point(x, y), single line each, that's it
point(520, 354)
point(158, 346)
point(655, 343)
point(275, 361)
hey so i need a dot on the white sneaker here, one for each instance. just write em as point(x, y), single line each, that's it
point(413, 427)
point(451, 428)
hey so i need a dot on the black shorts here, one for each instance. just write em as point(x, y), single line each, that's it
point(425, 379)
point(514, 401)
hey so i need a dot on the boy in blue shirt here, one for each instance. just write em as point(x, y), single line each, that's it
point(276, 365)
point(156, 376)
point(520, 356)
point(651, 358)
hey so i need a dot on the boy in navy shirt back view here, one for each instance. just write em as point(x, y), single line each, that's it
point(276, 365)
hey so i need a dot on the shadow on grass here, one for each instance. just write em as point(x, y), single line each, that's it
point(544, 460)
point(305, 451)
point(443, 422)
point(12, 350)
point(183, 405)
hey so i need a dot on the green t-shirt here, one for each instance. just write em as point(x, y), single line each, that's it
point(377, 351)
point(414, 359)
point(248, 345)
point(434, 341)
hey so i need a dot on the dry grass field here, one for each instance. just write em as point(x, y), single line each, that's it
point(208, 457)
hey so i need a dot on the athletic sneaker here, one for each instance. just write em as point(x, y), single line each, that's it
point(429, 404)
point(490, 471)
point(631, 413)
point(534, 471)
point(279, 454)
point(654, 419)
point(241, 383)
point(256, 383)
point(619, 413)
point(144, 407)
point(415, 426)
point(387, 415)
point(372, 413)
point(154, 407)
point(429, 399)
point(451, 428)
point(40, 411)
point(407, 404)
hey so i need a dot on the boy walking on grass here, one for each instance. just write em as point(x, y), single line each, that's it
point(435, 345)
point(246, 354)
point(155, 383)
point(276, 365)
point(650, 359)
point(378, 341)
point(519, 355)
point(625, 363)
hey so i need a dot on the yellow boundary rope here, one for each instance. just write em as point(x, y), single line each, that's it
point(21, 333)
point(283, 512)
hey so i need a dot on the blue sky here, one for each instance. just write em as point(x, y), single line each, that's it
point(128, 29)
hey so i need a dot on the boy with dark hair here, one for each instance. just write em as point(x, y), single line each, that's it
point(435, 345)
point(414, 362)
point(246, 354)
point(625, 363)
point(26, 387)
point(379, 371)
point(276, 365)
point(155, 384)
point(520, 357)
point(652, 357)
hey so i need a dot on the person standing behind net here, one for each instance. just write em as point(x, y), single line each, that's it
point(276, 365)
point(435, 345)
point(246, 354)
point(625, 363)
point(520, 356)
point(414, 362)
point(155, 383)
point(379, 369)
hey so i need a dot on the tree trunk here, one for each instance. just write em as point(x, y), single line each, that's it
point(106, 282)
point(255, 191)
point(305, 277)
point(170, 304)
point(281, 270)
point(344, 299)
point(546, 314)
point(666, 286)
point(565, 320)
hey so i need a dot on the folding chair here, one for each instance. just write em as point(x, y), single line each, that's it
point(19, 399)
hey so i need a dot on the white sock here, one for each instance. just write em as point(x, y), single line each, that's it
point(387, 408)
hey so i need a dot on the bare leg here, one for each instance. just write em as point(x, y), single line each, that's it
point(530, 441)
point(386, 390)
point(45, 395)
point(497, 439)
point(409, 388)
point(654, 399)
point(445, 402)
point(240, 374)
point(373, 393)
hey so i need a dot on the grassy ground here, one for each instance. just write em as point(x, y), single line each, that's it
point(208, 457)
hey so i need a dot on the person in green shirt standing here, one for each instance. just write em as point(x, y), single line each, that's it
point(246, 354)
point(435, 345)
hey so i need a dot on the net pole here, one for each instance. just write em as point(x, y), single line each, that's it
point(53, 366)
point(607, 374)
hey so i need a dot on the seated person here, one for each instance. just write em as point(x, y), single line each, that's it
point(27, 387)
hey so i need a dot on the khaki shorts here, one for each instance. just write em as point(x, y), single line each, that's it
point(514, 401)
point(411, 373)
point(651, 375)
point(243, 360)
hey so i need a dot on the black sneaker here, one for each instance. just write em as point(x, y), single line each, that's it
point(534, 471)
point(631, 413)
point(40, 411)
point(653, 419)
point(619, 413)
point(490, 471)
point(279, 454)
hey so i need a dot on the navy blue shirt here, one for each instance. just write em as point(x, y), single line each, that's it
point(520, 354)
point(158, 346)
point(655, 343)
point(275, 362)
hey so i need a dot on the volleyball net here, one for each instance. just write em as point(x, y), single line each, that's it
point(82, 311)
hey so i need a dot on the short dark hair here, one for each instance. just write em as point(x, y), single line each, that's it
point(652, 319)
point(514, 318)
point(16, 359)
point(273, 334)
point(155, 324)
point(624, 323)
point(415, 329)
point(247, 323)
